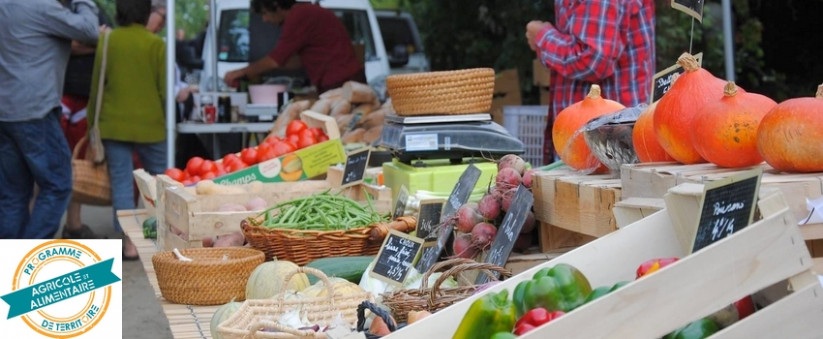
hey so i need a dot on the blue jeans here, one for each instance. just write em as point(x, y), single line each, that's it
point(33, 152)
point(121, 167)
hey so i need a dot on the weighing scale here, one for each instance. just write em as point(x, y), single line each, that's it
point(453, 137)
point(263, 112)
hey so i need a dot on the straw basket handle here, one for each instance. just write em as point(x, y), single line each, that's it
point(442, 265)
point(315, 272)
point(485, 268)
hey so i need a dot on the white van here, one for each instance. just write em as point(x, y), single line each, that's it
point(236, 46)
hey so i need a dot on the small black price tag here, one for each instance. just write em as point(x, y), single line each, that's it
point(727, 206)
point(690, 7)
point(459, 196)
point(355, 168)
point(396, 257)
point(428, 216)
point(400, 205)
point(508, 230)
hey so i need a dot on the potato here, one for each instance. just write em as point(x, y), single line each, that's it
point(256, 204)
point(230, 240)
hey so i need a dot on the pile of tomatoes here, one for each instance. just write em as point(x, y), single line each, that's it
point(298, 135)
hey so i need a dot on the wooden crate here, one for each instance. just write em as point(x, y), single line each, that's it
point(766, 253)
point(652, 180)
point(578, 203)
point(190, 217)
point(147, 187)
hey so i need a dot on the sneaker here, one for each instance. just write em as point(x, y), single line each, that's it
point(83, 233)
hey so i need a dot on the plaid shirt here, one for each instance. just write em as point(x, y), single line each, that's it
point(604, 42)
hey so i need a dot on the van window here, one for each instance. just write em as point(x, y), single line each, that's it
point(357, 25)
point(233, 33)
point(398, 31)
point(233, 36)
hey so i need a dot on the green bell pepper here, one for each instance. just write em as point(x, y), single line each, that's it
point(490, 314)
point(603, 290)
point(560, 288)
point(503, 335)
point(699, 329)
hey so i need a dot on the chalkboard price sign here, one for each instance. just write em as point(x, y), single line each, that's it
point(727, 207)
point(396, 257)
point(690, 7)
point(663, 80)
point(428, 217)
point(508, 230)
point(460, 194)
point(400, 205)
point(355, 168)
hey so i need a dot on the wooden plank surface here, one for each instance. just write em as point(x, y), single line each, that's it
point(185, 321)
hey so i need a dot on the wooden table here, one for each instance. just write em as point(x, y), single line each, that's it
point(185, 321)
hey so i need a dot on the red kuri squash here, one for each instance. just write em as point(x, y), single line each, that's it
point(724, 131)
point(790, 137)
point(674, 112)
point(570, 145)
point(644, 139)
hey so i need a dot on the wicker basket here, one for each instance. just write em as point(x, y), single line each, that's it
point(214, 276)
point(90, 182)
point(303, 246)
point(257, 318)
point(436, 298)
point(447, 92)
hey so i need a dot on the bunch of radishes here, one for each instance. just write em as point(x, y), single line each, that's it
point(476, 223)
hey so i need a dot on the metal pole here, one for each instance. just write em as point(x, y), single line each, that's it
point(213, 28)
point(171, 76)
point(728, 47)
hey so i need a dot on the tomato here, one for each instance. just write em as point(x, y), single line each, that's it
point(209, 175)
point(293, 139)
point(239, 166)
point(207, 166)
point(175, 174)
point(248, 156)
point(230, 159)
point(322, 138)
point(283, 147)
point(267, 153)
point(317, 131)
point(193, 165)
point(271, 139)
point(306, 141)
point(295, 126)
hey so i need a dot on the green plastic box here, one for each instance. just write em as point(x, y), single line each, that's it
point(438, 176)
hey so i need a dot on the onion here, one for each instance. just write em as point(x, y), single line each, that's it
point(507, 178)
point(512, 161)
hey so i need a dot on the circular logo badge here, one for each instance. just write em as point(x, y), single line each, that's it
point(62, 288)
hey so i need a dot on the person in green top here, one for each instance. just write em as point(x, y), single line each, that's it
point(132, 114)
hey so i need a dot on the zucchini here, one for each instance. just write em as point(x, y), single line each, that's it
point(349, 268)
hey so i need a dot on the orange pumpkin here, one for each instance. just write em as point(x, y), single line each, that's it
point(644, 139)
point(570, 145)
point(724, 132)
point(790, 137)
point(674, 112)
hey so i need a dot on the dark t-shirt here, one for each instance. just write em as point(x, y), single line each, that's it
point(78, 72)
point(321, 41)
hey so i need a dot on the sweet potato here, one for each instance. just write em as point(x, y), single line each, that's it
point(332, 94)
point(358, 93)
point(322, 106)
point(340, 107)
point(375, 118)
point(372, 134)
point(355, 135)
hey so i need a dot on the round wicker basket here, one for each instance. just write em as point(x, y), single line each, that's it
point(447, 92)
point(214, 276)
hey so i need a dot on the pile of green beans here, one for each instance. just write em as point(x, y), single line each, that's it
point(321, 212)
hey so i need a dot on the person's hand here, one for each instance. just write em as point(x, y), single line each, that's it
point(103, 28)
point(532, 29)
point(232, 77)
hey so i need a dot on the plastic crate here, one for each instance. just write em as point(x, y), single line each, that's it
point(527, 123)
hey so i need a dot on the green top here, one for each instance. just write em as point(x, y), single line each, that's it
point(135, 86)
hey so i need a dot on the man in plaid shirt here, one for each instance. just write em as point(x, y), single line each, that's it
point(604, 42)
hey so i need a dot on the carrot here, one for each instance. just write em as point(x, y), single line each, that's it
point(403, 224)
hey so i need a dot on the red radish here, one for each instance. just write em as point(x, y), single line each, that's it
point(506, 198)
point(489, 207)
point(467, 217)
point(527, 177)
point(483, 235)
point(462, 246)
point(523, 242)
point(529, 224)
point(507, 178)
point(512, 161)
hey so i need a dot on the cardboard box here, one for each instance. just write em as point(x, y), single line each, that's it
point(541, 76)
point(313, 161)
point(754, 259)
point(506, 93)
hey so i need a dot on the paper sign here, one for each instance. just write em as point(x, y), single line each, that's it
point(727, 206)
point(690, 7)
